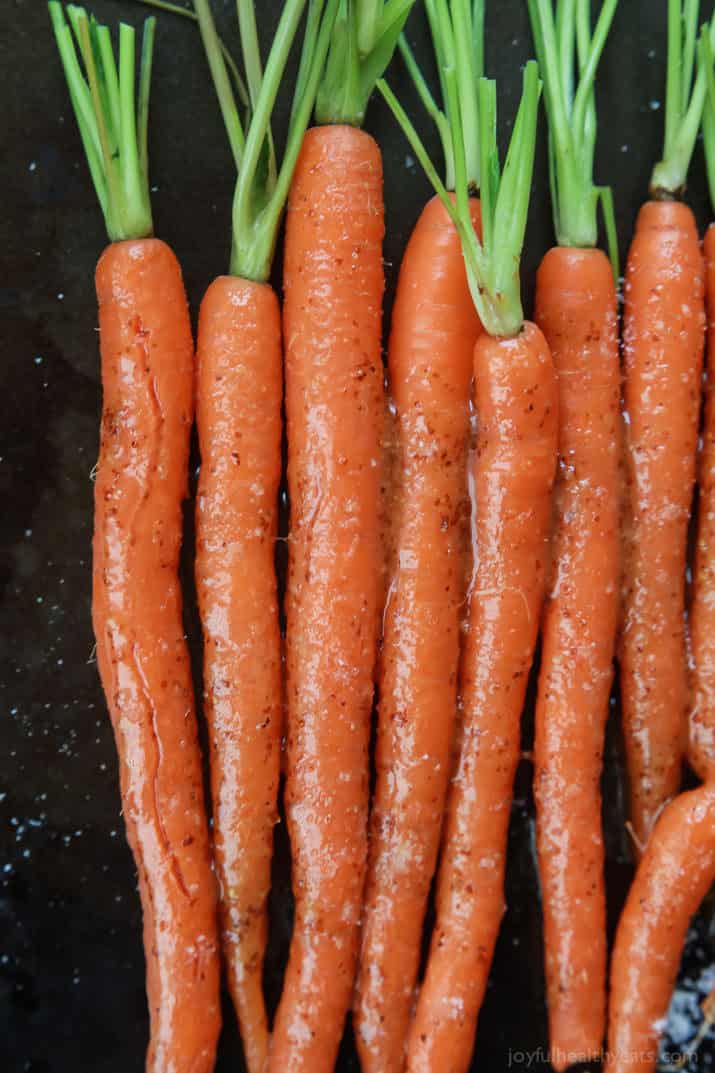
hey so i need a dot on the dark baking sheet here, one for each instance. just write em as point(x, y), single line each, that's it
point(71, 960)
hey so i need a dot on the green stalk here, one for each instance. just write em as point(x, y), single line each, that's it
point(221, 81)
point(492, 263)
point(432, 109)
point(364, 38)
point(684, 100)
point(261, 188)
point(187, 13)
point(706, 64)
point(560, 41)
point(457, 30)
point(113, 130)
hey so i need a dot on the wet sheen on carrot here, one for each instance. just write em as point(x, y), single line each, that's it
point(663, 350)
point(239, 399)
point(576, 309)
point(333, 284)
point(513, 473)
point(148, 402)
point(432, 337)
point(701, 745)
point(673, 877)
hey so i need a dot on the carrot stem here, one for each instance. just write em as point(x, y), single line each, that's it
point(364, 38)
point(221, 81)
point(684, 99)
point(705, 64)
point(493, 263)
point(187, 13)
point(113, 132)
point(262, 189)
point(571, 110)
point(431, 107)
point(458, 41)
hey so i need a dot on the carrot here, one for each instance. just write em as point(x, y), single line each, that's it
point(333, 284)
point(576, 310)
point(701, 749)
point(513, 474)
point(673, 877)
point(434, 328)
point(147, 378)
point(239, 397)
point(663, 337)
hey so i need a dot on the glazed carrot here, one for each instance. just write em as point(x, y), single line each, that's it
point(513, 474)
point(576, 310)
point(333, 286)
point(434, 328)
point(239, 391)
point(147, 379)
point(663, 337)
point(674, 875)
point(333, 295)
point(239, 397)
point(701, 749)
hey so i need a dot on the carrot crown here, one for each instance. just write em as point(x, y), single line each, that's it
point(563, 44)
point(362, 43)
point(684, 99)
point(706, 64)
point(492, 263)
point(112, 126)
point(262, 187)
point(457, 33)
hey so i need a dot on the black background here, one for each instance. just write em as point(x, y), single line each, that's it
point(71, 964)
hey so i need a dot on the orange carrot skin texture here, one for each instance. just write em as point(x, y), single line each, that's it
point(334, 406)
point(576, 310)
point(239, 394)
point(516, 401)
point(434, 329)
point(701, 752)
point(674, 875)
point(663, 336)
point(147, 379)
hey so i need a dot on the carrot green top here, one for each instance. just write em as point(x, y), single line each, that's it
point(563, 43)
point(262, 187)
point(459, 33)
point(362, 43)
point(112, 126)
point(492, 263)
point(684, 99)
point(706, 64)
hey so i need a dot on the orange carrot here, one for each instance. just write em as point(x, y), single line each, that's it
point(332, 320)
point(663, 329)
point(674, 875)
point(333, 295)
point(147, 379)
point(434, 328)
point(239, 396)
point(701, 752)
point(576, 310)
point(239, 392)
point(512, 478)
point(664, 319)
point(516, 401)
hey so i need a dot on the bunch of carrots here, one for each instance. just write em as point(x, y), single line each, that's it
point(529, 486)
